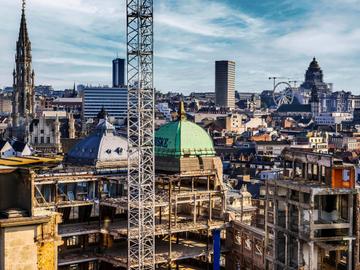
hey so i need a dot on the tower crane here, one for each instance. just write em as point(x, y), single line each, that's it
point(140, 125)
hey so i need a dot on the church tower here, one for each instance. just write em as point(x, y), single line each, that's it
point(23, 96)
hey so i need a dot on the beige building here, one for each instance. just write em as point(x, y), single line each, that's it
point(47, 131)
point(341, 142)
point(5, 105)
point(240, 123)
point(318, 141)
point(28, 238)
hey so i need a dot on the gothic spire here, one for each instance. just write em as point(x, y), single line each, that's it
point(24, 96)
point(23, 33)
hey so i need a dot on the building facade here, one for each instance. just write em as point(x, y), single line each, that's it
point(225, 84)
point(118, 73)
point(113, 100)
point(23, 100)
point(314, 77)
point(309, 213)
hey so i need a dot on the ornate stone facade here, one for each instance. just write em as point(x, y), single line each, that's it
point(24, 96)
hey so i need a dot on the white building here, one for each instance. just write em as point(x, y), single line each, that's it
point(113, 100)
point(269, 174)
point(164, 109)
point(272, 149)
point(344, 142)
point(22, 149)
point(239, 123)
point(333, 118)
point(6, 150)
point(46, 131)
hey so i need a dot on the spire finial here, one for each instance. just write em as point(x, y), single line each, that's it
point(23, 4)
point(181, 112)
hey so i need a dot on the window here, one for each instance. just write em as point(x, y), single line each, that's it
point(346, 175)
point(72, 242)
point(93, 238)
point(344, 204)
point(74, 267)
point(48, 139)
point(92, 266)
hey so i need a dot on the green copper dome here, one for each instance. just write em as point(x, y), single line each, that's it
point(183, 138)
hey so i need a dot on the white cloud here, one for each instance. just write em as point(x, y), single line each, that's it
point(77, 39)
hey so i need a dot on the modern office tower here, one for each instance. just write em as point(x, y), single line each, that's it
point(113, 100)
point(118, 72)
point(225, 84)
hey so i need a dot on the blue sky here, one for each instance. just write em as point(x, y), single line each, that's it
point(75, 40)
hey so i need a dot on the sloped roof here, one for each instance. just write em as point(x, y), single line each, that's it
point(295, 108)
point(2, 144)
point(100, 148)
point(18, 146)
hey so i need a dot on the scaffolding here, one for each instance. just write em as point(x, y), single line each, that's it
point(141, 169)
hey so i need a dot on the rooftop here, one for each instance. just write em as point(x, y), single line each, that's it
point(183, 138)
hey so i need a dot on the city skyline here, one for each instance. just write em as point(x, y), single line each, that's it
point(265, 39)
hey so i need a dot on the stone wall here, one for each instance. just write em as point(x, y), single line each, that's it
point(30, 247)
point(20, 250)
point(47, 243)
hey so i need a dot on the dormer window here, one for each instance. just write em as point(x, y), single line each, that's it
point(119, 150)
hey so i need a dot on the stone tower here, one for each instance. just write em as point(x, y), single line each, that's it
point(315, 102)
point(57, 134)
point(71, 126)
point(23, 97)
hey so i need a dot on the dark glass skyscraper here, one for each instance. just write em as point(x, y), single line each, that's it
point(225, 84)
point(118, 72)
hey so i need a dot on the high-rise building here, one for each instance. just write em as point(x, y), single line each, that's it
point(118, 72)
point(225, 84)
point(113, 100)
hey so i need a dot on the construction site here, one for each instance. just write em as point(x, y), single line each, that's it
point(89, 192)
point(310, 213)
point(159, 199)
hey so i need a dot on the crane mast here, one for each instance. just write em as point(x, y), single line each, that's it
point(141, 163)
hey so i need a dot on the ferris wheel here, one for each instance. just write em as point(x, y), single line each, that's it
point(283, 94)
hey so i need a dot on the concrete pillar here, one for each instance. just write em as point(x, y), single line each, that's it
point(350, 255)
point(306, 170)
point(311, 264)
